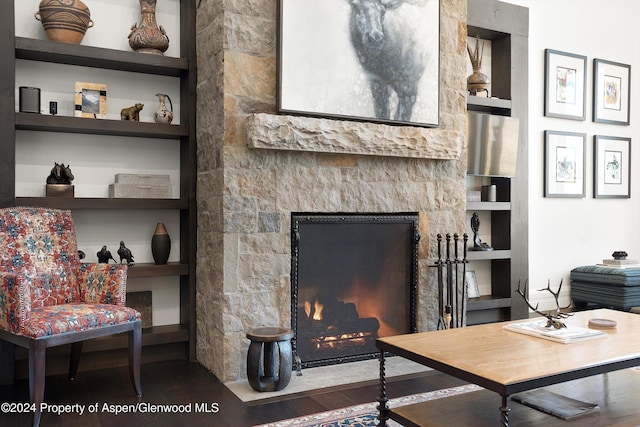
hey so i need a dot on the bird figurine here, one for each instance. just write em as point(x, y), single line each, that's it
point(104, 255)
point(125, 254)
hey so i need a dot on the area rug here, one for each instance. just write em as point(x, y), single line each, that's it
point(365, 415)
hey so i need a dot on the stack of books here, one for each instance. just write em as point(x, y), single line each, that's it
point(567, 335)
point(619, 263)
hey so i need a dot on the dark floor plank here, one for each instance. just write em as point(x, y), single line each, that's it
point(182, 383)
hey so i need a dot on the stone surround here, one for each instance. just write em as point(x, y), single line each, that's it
point(256, 167)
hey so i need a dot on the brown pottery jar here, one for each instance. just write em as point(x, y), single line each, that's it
point(64, 20)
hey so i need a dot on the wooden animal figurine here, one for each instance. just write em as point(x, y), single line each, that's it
point(131, 113)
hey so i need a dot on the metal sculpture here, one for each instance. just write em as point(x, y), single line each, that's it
point(554, 317)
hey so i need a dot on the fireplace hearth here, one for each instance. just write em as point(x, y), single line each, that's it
point(354, 279)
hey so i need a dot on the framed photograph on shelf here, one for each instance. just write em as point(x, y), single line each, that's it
point(328, 67)
point(611, 167)
point(565, 85)
point(91, 100)
point(471, 283)
point(564, 164)
point(611, 92)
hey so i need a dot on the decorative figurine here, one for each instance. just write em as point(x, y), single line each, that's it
point(59, 181)
point(620, 255)
point(478, 245)
point(554, 317)
point(104, 255)
point(125, 254)
point(131, 113)
point(60, 174)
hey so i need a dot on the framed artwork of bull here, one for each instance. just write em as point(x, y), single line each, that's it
point(369, 60)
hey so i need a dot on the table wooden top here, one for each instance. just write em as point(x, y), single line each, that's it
point(508, 362)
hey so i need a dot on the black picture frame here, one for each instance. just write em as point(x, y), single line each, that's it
point(323, 71)
point(611, 167)
point(565, 84)
point(564, 164)
point(611, 92)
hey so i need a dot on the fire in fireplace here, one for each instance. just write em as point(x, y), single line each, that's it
point(354, 279)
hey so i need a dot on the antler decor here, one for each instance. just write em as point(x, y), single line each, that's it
point(554, 318)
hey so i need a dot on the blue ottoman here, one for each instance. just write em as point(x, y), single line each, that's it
point(617, 288)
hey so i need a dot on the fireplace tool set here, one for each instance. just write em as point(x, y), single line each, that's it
point(452, 292)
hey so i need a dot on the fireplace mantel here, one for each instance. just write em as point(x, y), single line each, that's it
point(294, 133)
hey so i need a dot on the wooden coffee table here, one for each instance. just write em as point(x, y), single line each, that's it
point(507, 362)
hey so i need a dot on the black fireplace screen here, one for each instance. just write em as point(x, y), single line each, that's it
point(354, 279)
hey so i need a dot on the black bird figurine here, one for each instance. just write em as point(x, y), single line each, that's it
point(125, 253)
point(104, 255)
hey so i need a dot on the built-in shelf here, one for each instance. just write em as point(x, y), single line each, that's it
point(153, 270)
point(488, 255)
point(488, 302)
point(100, 203)
point(488, 206)
point(479, 103)
point(89, 56)
point(67, 124)
point(167, 341)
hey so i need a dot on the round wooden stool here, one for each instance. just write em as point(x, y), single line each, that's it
point(269, 359)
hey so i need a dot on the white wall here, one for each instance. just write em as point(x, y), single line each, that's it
point(565, 233)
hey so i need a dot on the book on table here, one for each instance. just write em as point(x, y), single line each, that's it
point(569, 334)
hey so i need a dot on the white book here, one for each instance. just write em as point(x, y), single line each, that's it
point(567, 335)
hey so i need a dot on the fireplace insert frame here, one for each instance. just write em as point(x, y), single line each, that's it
point(299, 220)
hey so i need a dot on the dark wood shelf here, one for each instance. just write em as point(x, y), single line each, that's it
point(88, 56)
point(66, 124)
point(488, 255)
point(153, 270)
point(101, 203)
point(488, 302)
point(488, 105)
point(488, 206)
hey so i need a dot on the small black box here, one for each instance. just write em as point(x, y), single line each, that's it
point(29, 100)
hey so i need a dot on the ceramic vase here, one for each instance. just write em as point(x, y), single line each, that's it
point(160, 244)
point(64, 20)
point(478, 82)
point(148, 37)
point(163, 115)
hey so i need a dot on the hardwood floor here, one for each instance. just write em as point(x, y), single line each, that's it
point(180, 383)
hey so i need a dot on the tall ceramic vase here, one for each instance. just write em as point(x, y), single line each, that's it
point(147, 37)
point(160, 244)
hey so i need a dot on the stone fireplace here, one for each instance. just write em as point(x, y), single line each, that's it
point(256, 168)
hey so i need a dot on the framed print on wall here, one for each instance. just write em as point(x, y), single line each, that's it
point(91, 100)
point(611, 92)
point(564, 164)
point(611, 167)
point(565, 85)
point(334, 60)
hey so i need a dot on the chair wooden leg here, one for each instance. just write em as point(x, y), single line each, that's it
point(135, 354)
point(37, 353)
point(74, 359)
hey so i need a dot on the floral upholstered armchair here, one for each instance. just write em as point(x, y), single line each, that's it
point(48, 297)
